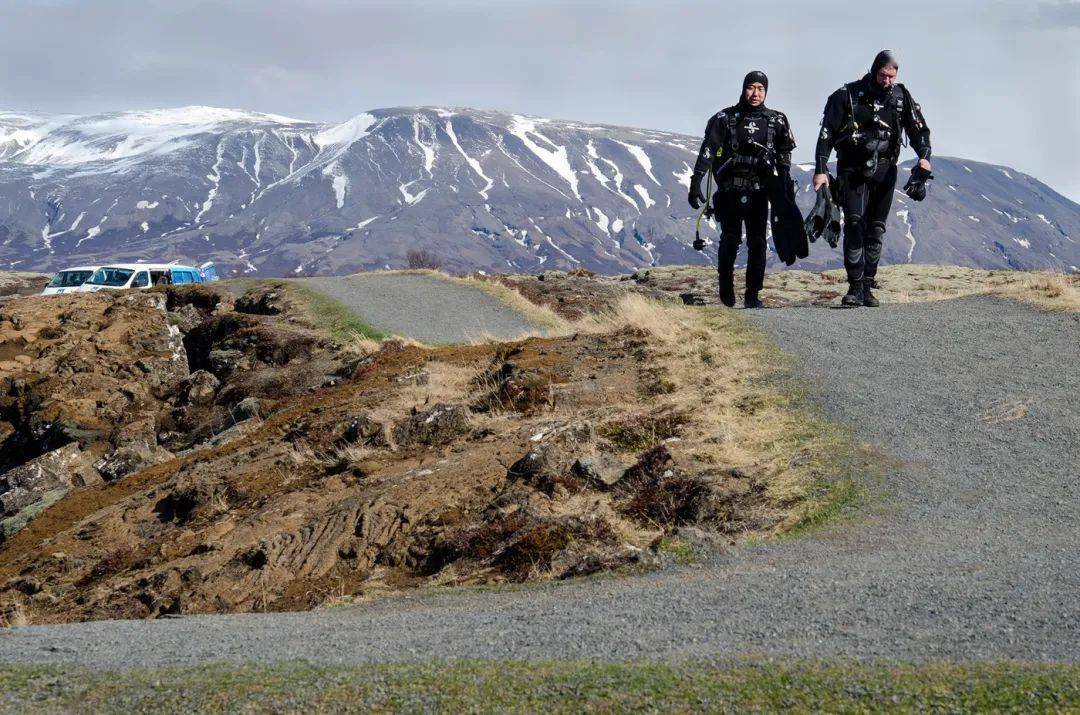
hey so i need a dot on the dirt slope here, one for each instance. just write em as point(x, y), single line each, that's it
point(289, 472)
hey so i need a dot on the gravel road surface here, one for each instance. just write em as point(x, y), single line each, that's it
point(406, 303)
point(974, 554)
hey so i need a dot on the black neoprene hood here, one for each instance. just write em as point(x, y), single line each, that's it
point(885, 57)
point(756, 76)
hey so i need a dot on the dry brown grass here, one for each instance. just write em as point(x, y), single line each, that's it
point(903, 283)
point(1051, 291)
point(549, 320)
point(917, 283)
point(362, 346)
point(740, 417)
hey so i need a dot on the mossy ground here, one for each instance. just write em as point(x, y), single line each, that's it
point(548, 686)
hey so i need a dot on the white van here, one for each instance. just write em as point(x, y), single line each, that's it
point(122, 276)
point(69, 280)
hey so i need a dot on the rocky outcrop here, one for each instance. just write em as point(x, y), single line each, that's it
point(29, 488)
point(60, 469)
point(439, 425)
point(94, 369)
point(266, 300)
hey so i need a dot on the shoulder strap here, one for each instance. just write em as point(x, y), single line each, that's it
point(851, 108)
point(733, 134)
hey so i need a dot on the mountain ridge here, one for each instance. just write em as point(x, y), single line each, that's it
point(484, 189)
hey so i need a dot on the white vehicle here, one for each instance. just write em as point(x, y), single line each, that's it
point(121, 276)
point(69, 280)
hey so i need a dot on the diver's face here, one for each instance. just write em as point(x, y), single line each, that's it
point(754, 94)
point(886, 77)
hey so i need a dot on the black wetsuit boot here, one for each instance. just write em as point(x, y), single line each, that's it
point(854, 296)
point(868, 298)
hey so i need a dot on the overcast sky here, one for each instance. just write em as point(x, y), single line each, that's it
point(998, 81)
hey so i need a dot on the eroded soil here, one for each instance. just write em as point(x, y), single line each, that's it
point(279, 471)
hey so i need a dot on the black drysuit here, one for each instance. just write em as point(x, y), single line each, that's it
point(744, 145)
point(864, 123)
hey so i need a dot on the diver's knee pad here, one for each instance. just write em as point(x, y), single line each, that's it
point(852, 222)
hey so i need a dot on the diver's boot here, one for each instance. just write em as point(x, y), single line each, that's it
point(854, 297)
point(751, 301)
point(727, 288)
point(868, 298)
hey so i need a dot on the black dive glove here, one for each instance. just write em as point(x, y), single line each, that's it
point(696, 198)
point(699, 244)
point(915, 187)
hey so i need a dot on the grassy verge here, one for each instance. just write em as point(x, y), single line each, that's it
point(746, 414)
point(487, 686)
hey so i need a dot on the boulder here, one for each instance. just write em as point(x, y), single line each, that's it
point(62, 468)
point(548, 463)
point(202, 387)
point(439, 425)
point(246, 409)
point(130, 459)
point(419, 378)
point(361, 430)
point(262, 301)
point(602, 471)
point(223, 362)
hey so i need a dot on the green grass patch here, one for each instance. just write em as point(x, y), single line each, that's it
point(487, 686)
point(681, 550)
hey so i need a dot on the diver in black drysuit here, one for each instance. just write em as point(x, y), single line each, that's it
point(742, 144)
point(863, 120)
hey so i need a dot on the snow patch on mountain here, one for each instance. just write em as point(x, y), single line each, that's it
point(644, 194)
point(556, 157)
point(344, 135)
point(642, 158)
point(473, 163)
point(904, 216)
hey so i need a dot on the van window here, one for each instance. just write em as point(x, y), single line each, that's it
point(111, 277)
point(142, 279)
point(69, 279)
point(179, 277)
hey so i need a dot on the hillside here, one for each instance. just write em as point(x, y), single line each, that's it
point(266, 195)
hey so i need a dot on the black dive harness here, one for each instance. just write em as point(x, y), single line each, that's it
point(879, 141)
point(740, 171)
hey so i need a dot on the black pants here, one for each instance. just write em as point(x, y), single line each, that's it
point(866, 204)
point(734, 210)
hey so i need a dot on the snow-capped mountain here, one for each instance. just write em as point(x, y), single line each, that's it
point(267, 195)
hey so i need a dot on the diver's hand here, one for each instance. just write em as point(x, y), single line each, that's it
point(820, 180)
point(696, 198)
point(925, 165)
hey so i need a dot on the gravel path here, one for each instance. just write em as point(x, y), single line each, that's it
point(975, 555)
point(403, 304)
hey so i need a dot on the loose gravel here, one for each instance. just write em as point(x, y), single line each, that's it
point(973, 555)
point(405, 304)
